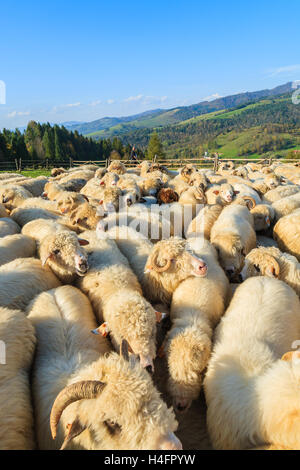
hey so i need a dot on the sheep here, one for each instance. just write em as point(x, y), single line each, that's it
point(85, 217)
point(187, 172)
point(225, 166)
point(223, 194)
point(39, 203)
point(34, 185)
point(79, 173)
point(16, 246)
point(74, 185)
point(131, 192)
point(203, 222)
point(57, 171)
point(58, 247)
point(271, 181)
point(24, 215)
point(109, 179)
point(196, 307)
point(8, 227)
point(22, 279)
point(16, 414)
point(116, 296)
point(169, 263)
point(13, 196)
point(263, 215)
point(77, 384)
point(233, 236)
point(198, 179)
point(3, 211)
point(286, 205)
point(66, 201)
point(151, 185)
point(100, 173)
point(273, 263)
point(6, 176)
point(278, 193)
point(194, 195)
point(246, 373)
point(117, 167)
point(178, 184)
point(167, 196)
point(286, 233)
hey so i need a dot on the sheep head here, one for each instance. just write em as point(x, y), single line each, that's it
point(65, 250)
point(85, 217)
point(188, 352)
point(8, 196)
point(141, 421)
point(231, 253)
point(263, 217)
point(226, 193)
point(167, 196)
point(260, 262)
point(110, 199)
point(187, 171)
point(272, 181)
point(171, 261)
point(109, 180)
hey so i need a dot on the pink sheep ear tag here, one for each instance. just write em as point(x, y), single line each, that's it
point(160, 316)
point(102, 330)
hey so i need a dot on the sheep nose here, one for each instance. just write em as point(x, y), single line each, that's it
point(129, 202)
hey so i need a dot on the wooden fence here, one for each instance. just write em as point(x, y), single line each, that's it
point(21, 165)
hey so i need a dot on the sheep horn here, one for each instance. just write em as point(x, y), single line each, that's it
point(251, 200)
point(161, 269)
point(78, 391)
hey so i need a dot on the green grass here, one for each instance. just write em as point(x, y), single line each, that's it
point(31, 173)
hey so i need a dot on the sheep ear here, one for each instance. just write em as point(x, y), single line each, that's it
point(83, 242)
point(216, 192)
point(125, 349)
point(74, 429)
point(102, 183)
point(86, 198)
point(143, 200)
point(44, 260)
point(101, 330)
point(273, 268)
point(236, 192)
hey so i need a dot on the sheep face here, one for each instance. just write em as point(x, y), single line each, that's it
point(117, 167)
point(85, 217)
point(171, 261)
point(263, 217)
point(109, 180)
point(226, 193)
point(272, 181)
point(132, 318)
point(139, 421)
point(231, 253)
point(199, 180)
point(8, 197)
point(69, 202)
point(151, 186)
point(187, 171)
point(259, 262)
point(188, 354)
point(110, 200)
point(64, 249)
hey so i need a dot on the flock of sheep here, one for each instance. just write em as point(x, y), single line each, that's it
point(124, 327)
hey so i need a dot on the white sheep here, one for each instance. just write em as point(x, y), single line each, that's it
point(8, 227)
point(82, 389)
point(22, 279)
point(17, 343)
point(273, 263)
point(58, 247)
point(233, 236)
point(246, 376)
point(286, 233)
point(16, 246)
point(116, 296)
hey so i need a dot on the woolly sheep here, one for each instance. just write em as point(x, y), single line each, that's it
point(13, 196)
point(263, 215)
point(109, 179)
point(22, 279)
point(8, 227)
point(193, 195)
point(34, 185)
point(3, 211)
point(16, 414)
point(178, 184)
point(196, 307)
point(273, 263)
point(117, 167)
point(58, 247)
point(24, 215)
point(16, 246)
point(286, 205)
point(280, 192)
point(78, 386)
point(233, 236)
point(203, 223)
point(246, 375)
point(117, 299)
point(286, 233)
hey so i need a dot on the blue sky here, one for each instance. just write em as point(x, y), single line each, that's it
point(72, 60)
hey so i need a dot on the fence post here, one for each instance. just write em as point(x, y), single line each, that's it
point(47, 164)
point(16, 162)
point(70, 162)
point(20, 164)
point(216, 163)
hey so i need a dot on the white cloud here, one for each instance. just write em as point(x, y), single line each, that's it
point(110, 101)
point(212, 97)
point(95, 103)
point(72, 105)
point(288, 69)
point(18, 113)
point(133, 98)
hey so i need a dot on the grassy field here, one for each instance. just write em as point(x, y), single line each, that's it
point(31, 173)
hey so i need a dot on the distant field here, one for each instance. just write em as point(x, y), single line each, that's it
point(31, 173)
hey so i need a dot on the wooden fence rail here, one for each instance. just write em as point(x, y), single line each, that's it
point(20, 165)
